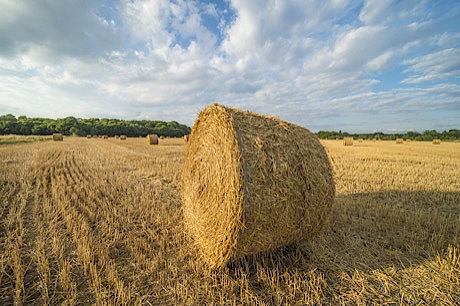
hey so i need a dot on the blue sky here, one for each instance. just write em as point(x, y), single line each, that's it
point(357, 66)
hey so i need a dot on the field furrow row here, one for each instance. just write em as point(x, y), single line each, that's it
point(81, 206)
point(56, 268)
point(15, 194)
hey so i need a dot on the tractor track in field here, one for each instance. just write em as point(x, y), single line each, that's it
point(55, 257)
point(83, 200)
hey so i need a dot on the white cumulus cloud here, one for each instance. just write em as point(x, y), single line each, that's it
point(312, 62)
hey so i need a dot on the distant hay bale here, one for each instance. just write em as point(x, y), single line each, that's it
point(252, 183)
point(162, 137)
point(58, 137)
point(122, 137)
point(399, 141)
point(186, 137)
point(436, 141)
point(88, 136)
point(348, 141)
point(152, 139)
point(105, 136)
point(117, 137)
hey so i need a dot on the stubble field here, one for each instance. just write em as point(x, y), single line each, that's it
point(99, 221)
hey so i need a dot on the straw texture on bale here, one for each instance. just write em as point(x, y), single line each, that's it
point(152, 139)
point(252, 183)
point(58, 137)
point(348, 141)
point(399, 141)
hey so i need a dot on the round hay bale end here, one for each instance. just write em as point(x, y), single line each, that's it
point(152, 139)
point(58, 137)
point(252, 183)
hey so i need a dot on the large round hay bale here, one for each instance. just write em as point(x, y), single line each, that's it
point(58, 137)
point(252, 183)
point(152, 139)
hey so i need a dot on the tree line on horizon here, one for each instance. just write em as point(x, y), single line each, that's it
point(428, 135)
point(68, 126)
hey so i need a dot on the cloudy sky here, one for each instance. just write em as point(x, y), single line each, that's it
point(358, 66)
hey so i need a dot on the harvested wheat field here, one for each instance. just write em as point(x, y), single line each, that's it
point(100, 222)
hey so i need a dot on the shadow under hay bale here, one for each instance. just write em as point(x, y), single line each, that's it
point(252, 184)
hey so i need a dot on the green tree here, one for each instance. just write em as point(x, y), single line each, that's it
point(8, 125)
point(94, 126)
point(41, 130)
